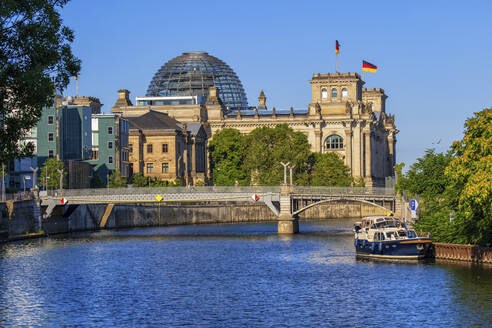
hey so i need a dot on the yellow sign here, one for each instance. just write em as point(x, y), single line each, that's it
point(158, 198)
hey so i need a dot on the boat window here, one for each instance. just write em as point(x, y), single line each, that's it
point(390, 235)
point(402, 233)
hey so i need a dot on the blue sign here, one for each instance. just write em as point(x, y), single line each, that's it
point(412, 204)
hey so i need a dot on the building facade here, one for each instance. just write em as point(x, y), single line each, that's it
point(163, 148)
point(110, 150)
point(341, 117)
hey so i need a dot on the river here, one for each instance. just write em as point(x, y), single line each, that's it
point(242, 275)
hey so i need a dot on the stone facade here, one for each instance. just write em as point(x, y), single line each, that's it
point(342, 117)
point(163, 148)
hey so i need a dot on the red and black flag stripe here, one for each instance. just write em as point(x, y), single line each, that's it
point(368, 67)
point(337, 47)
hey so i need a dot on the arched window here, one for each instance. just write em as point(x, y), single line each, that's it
point(334, 142)
point(324, 93)
point(334, 93)
point(344, 93)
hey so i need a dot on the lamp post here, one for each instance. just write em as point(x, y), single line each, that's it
point(3, 183)
point(285, 171)
point(34, 177)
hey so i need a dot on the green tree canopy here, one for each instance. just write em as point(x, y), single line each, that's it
point(426, 176)
point(139, 180)
point(226, 158)
point(329, 170)
point(116, 180)
point(50, 174)
point(470, 174)
point(35, 60)
point(267, 147)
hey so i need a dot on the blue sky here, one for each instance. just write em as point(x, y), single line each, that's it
point(433, 57)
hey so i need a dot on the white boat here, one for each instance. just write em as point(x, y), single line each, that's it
point(387, 237)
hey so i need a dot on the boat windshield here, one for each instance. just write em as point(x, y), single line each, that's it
point(402, 233)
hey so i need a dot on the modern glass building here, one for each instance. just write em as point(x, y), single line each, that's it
point(192, 74)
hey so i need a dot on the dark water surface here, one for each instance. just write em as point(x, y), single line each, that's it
point(231, 276)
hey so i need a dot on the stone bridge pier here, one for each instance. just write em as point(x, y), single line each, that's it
point(287, 223)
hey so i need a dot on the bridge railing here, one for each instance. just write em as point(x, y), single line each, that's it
point(225, 189)
point(344, 190)
point(168, 190)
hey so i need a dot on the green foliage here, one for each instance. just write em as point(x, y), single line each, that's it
point(426, 177)
point(158, 183)
point(266, 147)
point(35, 59)
point(97, 182)
point(254, 159)
point(330, 170)
point(176, 183)
point(50, 173)
point(139, 180)
point(458, 182)
point(226, 158)
point(116, 180)
point(470, 176)
point(200, 183)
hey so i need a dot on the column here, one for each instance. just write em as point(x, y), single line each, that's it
point(348, 149)
point(317, 140)
point(287, 224)
point(193, 158)
point(368, 177)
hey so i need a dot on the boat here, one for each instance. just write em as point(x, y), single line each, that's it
point(387, 237)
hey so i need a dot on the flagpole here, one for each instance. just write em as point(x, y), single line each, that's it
point(336, 62)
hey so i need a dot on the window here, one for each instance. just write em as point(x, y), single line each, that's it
point(110, 130)
point(110, 159)
point(334, 93)
point(51, 153)
point(51, 136)
point(110, 145)
point(51, 119)
point(344, 93)
point(324, 93)
point(130, 148)
point(150, 167)
point(334, 142)
point(149, 148)
point(164, 148)
point(165, 167)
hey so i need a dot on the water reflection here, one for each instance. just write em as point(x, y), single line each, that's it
point(231, 276)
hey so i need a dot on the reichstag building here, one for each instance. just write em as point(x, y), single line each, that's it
point(201, 91)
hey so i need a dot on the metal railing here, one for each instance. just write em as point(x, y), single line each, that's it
point(224, 189)
point(344, 190)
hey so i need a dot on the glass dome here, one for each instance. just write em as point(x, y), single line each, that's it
point(192, 73)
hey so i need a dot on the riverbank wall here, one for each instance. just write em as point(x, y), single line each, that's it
point(19, 218)
point(468, 253)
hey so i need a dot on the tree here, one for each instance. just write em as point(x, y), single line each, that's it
point(426, 177)
point(35, 61)
point(329, 170)
point(266, 147)
point(97, 182)
point(227, 157)
point(139, 180)
point(116, 180)
point(470, 175)
point(50, 174)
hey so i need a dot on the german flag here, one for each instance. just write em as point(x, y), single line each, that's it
point(337, 47)
point(368, 67)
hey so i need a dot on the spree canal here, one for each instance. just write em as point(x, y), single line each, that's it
point(231, 276)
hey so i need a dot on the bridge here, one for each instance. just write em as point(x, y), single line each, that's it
point(286, 201)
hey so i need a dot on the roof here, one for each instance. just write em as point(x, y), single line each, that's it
point(153, 121)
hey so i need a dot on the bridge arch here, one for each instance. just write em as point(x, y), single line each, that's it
point(388, 211)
